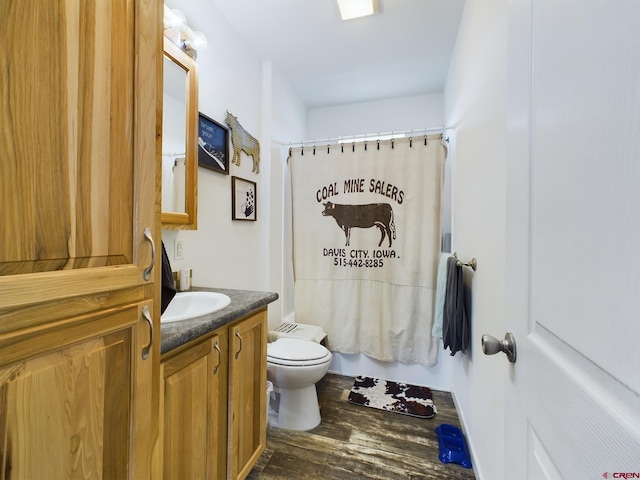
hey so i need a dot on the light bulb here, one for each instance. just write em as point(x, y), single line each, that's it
point(198, 41)
point(175, 19)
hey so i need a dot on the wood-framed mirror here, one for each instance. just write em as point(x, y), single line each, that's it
point(179, 139)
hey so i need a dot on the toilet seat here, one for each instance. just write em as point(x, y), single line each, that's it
point(296, 353)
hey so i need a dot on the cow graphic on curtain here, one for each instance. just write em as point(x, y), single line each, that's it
point(363, 216)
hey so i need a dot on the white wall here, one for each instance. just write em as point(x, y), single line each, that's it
point(396, 114)
point(475, 103)
point(400, 114)
point(288, 120)
point(221, 252)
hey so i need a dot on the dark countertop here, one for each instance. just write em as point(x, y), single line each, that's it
point(243, 302)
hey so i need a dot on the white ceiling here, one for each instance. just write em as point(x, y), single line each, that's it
point(404, 50)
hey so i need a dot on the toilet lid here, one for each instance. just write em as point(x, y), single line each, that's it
point(292, 349)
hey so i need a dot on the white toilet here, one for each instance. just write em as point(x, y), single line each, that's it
point(294, 367)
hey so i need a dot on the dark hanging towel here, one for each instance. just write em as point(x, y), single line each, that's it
point(455, 326)
point(168, 288)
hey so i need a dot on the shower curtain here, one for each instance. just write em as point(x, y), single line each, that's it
point(366, 242)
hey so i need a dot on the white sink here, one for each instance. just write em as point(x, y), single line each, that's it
point(186, 305)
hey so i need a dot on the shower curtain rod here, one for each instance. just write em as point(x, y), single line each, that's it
point(368, 136)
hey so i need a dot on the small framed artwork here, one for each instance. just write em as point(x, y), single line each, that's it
point(243, 199)
point(213, 145)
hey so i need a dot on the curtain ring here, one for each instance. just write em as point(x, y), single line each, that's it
point(302, 151)
point(392, 141)
point(314, 149)
point(410, 142)
point(365, 145)
point(342, 148)
point(289, 151)
point(378, 144)
point(425, 140)
point(327, 148)
point(353, 147)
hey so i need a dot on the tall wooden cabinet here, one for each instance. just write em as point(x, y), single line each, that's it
point(79, 210)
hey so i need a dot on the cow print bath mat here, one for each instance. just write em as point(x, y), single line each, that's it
point(394, 397)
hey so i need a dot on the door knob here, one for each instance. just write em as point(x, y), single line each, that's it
point(491, 346)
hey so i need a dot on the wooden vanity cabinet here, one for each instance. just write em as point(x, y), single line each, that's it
point(214, 403)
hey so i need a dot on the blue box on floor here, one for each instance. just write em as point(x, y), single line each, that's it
point(453, 447)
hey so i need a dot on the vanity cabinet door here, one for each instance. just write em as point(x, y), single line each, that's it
point(218, 395)
point(194, 424)
point(247, 393)
point(65, 396)
point(186, 413)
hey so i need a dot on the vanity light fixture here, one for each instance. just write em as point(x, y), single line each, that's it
point(357, 8)
point(177, 30)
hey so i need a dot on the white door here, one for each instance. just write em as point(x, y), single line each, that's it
point(573, 239)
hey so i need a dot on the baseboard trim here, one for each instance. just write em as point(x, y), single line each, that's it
point(477, 471)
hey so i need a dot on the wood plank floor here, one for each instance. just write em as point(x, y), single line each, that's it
point(355, 442)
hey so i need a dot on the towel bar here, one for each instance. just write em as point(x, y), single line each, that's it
point(473, 263)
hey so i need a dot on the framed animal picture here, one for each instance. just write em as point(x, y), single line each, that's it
point(213, 145)
point(243, 199)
